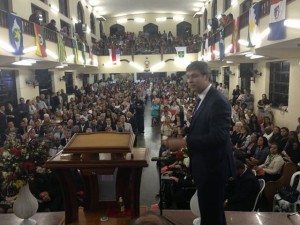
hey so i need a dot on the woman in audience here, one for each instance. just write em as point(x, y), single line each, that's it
point(276, 136)
point(266, 123)
point(261, 152)
point(243, 140)
point(270, 170)
point(250, 150)
point(166, 128)
point(254, 125)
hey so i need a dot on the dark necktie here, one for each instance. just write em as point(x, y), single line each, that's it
point(197, 102)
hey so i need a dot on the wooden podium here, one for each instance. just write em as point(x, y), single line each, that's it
point(82, 152)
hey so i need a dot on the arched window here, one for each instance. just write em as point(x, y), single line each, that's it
point(63, 7)
point(151, 29)
point(92, 21)
point(80, 12)
point(184, 29)
point(117, 30)
point(205, 19)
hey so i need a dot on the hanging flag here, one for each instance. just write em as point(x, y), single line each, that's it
point(277, 17)
point(221, 45)
point(75, 50)
point(232, 37)
point(91, 56)
point(15, 33)
point(212, 47)
point(40, 40)
point(61, 48)
point(115, 55)
point(181, 52)
point(83, 52)
point(254, 15)
point(237, 34)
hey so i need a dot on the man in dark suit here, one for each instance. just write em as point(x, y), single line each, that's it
point(241, 193)
point(209, 145)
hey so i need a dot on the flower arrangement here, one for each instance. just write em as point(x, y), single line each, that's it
point(20, 162)
point(183, 157)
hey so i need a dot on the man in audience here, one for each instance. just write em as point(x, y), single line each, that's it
point(241, 193)
point(52, 26)
point(35, 17)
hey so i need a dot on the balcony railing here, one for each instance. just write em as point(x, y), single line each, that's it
point(28, 28)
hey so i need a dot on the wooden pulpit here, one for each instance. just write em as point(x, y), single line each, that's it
point(82, 152)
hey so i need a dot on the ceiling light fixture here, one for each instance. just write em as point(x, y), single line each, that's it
point(161, 19)
point(292, 23)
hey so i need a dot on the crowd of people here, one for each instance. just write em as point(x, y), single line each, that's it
point(120, 106)
point(130, 43)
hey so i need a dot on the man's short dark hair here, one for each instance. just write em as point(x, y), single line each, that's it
point(200, 66)
point(239, 165)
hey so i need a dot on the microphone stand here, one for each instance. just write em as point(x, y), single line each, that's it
point(159, 160)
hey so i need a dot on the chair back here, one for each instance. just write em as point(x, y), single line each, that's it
point(262, 185)
point(295, 178)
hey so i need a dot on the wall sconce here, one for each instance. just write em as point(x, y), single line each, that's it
point(63, 78)
point(254, 74)
point(80, 76)
point(32, 83)
point(229, 72)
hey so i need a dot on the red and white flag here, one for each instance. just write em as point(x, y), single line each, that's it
point(115, 55)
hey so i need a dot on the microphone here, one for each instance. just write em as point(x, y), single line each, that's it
point(159, 159)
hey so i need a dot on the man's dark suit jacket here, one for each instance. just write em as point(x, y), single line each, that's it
point(242, 192)
point(211, 156)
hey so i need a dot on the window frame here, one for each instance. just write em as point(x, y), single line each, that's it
point(279, 83)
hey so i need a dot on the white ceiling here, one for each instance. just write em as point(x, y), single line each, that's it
point(115, 8)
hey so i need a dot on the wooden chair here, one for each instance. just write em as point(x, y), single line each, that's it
point(272, 187)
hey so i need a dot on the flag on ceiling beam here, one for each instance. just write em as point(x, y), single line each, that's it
point(61, 48)
point(40, 40)
point(115, 55)
point(254, 15)
point(181, 52)
point(15, 33)
point(221, 45)
point(75, 50)
point(83, 52)
point(277, 17)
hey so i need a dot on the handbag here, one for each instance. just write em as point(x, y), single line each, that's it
point(289, 194)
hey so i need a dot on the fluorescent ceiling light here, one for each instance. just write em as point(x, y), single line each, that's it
point(121, 20)
point(256, 56)
point(292, 23)
point(94, 2)
point(139, 20)
point(70, 58)
point(29, 49)
point(157, 66)
point(52, 54)
point(54, 8)
point(6, 46)
point(25, 62)
point(243, 42)
point(178, 18)
point(249, 54)
point(161, 19)
point(137, 66)
point(227, 50)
